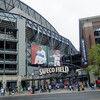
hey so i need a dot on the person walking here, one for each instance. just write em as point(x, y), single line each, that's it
point(78, 86)
point(70, 87)
point(2, 92)
point(49, 88)
point(93, 86)
point(10, 90)
point(73, 87)
point(82, 87)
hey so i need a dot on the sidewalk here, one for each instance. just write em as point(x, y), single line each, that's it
point(24, 93)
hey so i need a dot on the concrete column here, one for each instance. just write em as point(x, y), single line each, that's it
point(36, 83)
point(30, 83)
point(19, 80)
point(92, 77)
point(22, 46)
point(4, 81)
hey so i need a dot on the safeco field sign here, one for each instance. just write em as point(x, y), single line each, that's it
point(54, 70)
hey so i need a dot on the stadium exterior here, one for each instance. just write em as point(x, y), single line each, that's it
point(20, 27)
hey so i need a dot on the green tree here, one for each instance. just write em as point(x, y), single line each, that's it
point(94, 56)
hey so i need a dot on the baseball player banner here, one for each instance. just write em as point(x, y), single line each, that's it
point(54, 58)
point(38, 54)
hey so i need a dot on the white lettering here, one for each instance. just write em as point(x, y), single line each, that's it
point(57, 69)
point(53, 70)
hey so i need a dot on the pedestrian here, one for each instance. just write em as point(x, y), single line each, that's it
point(40, 88)
point(49, 88)
point(82, 87)
point(46, 88)
point(73, 87)
point(2, 92)
point(93, 86)
point(78, 87)
point(16, 89)
point(88, 84)
point(65, 84)
point(10, 90)
point(33, 89)
point(21, 88)
point(98, 82)
point(13, 92)
point(70, 87)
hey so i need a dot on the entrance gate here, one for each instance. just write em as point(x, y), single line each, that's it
point(11, 84)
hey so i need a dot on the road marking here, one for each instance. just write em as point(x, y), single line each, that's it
point(48, 98)
point(94, 99)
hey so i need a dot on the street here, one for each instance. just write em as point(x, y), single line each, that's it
point(95, 95)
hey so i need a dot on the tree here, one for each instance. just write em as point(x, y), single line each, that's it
point(94, 56)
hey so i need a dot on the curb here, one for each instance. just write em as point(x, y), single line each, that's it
point(56, 92)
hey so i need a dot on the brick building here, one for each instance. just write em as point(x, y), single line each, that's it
point(89, 31)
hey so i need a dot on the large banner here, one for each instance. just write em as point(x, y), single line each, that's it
point(38, 54)
point(84, 54)
point(54, 58)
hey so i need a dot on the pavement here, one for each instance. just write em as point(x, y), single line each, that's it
point(57, 91)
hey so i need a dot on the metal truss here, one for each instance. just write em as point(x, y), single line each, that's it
point(8, 5)
point(43, 26)
point(8, 17)
point(51, 36)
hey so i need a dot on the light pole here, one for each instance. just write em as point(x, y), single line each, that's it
point(32, 83)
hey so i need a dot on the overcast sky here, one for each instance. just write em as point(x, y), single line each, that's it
point(64, 15)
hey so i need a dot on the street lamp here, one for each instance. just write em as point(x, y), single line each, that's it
point(32, 78)
point(32, 83)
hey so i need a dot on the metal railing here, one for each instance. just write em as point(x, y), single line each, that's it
point(3, 36)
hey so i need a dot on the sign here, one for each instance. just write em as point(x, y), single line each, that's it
point(43, 71)
point(54, 58)
point(38, 54)
point(84, 59)
point(81, 72)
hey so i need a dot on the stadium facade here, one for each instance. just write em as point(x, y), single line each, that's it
point(21, 27)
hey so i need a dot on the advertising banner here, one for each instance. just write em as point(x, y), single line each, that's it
point(38, 54)
point(54, 58)
point(84, 54)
